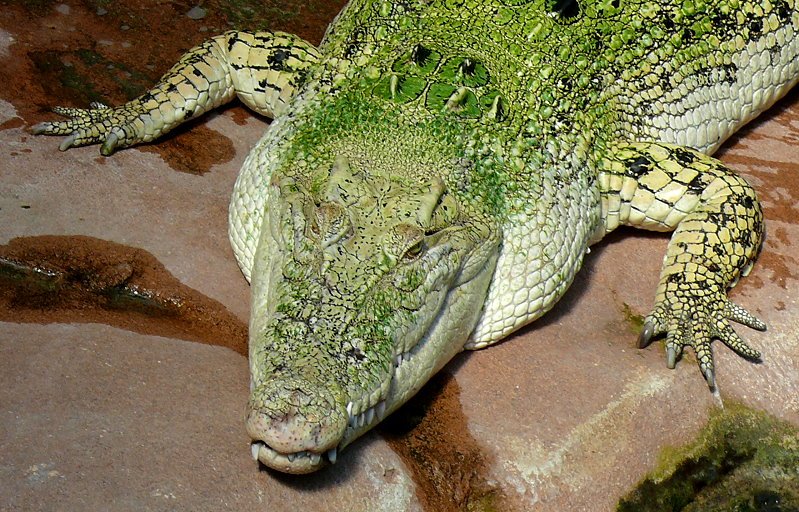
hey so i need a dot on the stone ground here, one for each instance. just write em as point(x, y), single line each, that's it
point(115, 393)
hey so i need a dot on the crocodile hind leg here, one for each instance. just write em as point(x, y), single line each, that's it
point(718, 230)
point(264, 69)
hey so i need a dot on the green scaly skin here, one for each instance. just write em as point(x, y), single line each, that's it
point(437, 170)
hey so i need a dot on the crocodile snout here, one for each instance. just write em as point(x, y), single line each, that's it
point(295, 426)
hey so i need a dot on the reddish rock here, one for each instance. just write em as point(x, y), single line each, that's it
point(565, 415)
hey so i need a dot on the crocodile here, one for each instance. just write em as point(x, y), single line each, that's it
point(436, 171)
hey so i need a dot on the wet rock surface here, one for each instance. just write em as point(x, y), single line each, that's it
point(98, 413)
point(70, 279)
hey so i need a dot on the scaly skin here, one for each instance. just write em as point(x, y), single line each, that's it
point(437, 170)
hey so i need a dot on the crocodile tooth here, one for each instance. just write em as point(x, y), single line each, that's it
point(255, 448)
point(370, 415)
point(380, 409)
point(361, 418)
point(315, 458)
point(457, 98)
point(291, 457)
point(393, 85)
point(349, 409)
point(332, 454)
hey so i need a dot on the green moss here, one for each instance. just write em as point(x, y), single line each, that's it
point(37, 279)
point(131, 82)
point(255, 14)
point(635, 320)
point(41, 7)
point(86, 73)
point(743, 460)
point(52, 66)
point(485, 502)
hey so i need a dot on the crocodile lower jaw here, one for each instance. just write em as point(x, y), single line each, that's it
point(297, 462)
point(307, 461)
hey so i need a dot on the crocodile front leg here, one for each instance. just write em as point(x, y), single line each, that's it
point(264, 69)
point(718, 231)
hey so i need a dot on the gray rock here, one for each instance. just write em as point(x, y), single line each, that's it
point(196, 13)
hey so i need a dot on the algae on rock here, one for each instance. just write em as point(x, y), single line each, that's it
point(742, 461)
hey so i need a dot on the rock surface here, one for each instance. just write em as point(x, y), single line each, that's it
point(117, 407)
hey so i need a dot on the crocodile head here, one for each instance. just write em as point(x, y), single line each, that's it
point(363, 287)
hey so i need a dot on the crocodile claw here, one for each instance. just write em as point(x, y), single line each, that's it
point(68, 142)
point(645, 338)
point(705, 319)
point(671, 357)
point(115, 128)
point(710, 377)
point(40, 128)
point(110, 144)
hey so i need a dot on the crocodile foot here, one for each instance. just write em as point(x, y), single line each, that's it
point(696, 321)
point(114, 127)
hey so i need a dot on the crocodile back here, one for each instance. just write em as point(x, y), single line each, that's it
point(530, 94)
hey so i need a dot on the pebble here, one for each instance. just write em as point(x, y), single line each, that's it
point(196, 13)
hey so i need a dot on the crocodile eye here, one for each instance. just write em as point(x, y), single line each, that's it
point(404, 243)
point(413, 252)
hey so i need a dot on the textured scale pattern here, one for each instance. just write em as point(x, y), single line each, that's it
point(718, 226)
point(437, 170)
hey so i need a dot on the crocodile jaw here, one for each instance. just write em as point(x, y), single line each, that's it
point(445, 338)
